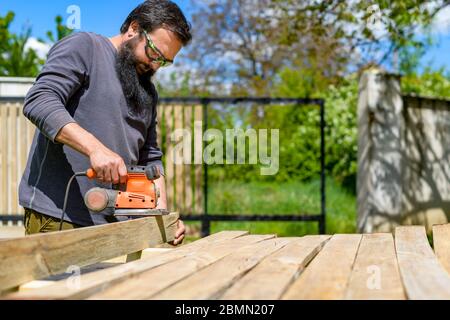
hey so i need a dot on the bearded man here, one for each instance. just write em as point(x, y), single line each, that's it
point(94, 105)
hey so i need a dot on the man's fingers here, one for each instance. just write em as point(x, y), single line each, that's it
point(108, 177)
point(178, 240)
point(181, 229)
point(115, 176)
point(122, 173)
point(100, 174)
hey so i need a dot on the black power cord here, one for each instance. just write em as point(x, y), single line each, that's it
point(78, 174)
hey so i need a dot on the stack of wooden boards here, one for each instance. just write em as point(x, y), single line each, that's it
point(236, 265)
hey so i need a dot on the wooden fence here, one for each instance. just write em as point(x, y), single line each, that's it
point(183, 181)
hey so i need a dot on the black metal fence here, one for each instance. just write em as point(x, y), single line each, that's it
point(206, 218)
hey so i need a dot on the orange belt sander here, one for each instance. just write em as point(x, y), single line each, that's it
point(138, 197)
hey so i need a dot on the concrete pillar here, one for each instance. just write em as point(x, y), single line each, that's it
point(380, 167)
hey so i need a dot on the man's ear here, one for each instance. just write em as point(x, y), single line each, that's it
point(133, 29)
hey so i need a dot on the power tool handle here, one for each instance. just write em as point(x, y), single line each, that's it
point(91, 174)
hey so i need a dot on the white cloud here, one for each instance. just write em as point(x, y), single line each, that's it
point(40, 48)
point(441, 23)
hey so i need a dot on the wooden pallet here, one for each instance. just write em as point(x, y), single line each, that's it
point(236, 265)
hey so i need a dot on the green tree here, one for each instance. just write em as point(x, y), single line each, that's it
point(5, 35)
point(61, 30)
point(430, 83)
point(246, 43)
point(16, 60)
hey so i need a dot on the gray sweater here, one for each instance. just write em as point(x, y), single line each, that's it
point(79, 84)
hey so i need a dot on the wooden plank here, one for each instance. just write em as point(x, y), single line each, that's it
point(23, 151)
point(441, 244)
point(12, 161)
point(269, 279)
point(11, 232)
point(101, 280)
point(4, 150)
point(145, 254)
point(159, 118)
point(36, 284)
point(327, 275)
point(375, 273)
point(169, 168)
point(38, 256)
point(170, 273)
point(223, 273)
point(188, 166)
point(423, 276)
point(198, 159)
point(178, 159)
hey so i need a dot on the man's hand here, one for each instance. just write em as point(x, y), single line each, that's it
point(162, 204)
point(179, 235)
point(109, 166)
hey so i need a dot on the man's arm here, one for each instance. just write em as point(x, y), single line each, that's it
point(65, 72)
point(108, 165)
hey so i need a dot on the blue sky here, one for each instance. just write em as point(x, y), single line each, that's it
point(100, 16)
point(105, 17)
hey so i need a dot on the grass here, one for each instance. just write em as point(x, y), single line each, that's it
point(285, 198)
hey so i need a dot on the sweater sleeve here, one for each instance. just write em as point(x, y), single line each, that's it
point(65, 72)
point(150, 153)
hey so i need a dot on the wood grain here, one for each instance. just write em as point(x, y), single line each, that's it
point(4, 159)
point(169, 167)
point(269, 279)
point(327, 275)
point(37, 256)
point(223, 273)
point(178, 160)
point(375, 274)
point(198, 159)
point(170, 273)
point(423, 276)
point(188, 165)
point(441, 244)
point(93, 283)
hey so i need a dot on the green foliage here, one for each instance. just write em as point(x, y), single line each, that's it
point(299, 128)
point(341, 132)
point(429, 83)
point(62, 31)
point(5, 35)
point(175, 87)
point(21, 62)
point(16, 60)
point(246, 43)
point(288, 198)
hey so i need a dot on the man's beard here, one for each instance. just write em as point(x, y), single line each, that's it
point(138, 89)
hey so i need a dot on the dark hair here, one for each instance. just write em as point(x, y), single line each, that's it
point(154, 14)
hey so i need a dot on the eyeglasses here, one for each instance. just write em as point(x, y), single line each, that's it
point(161, 60)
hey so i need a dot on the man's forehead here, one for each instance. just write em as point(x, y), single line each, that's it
point(166, 41)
